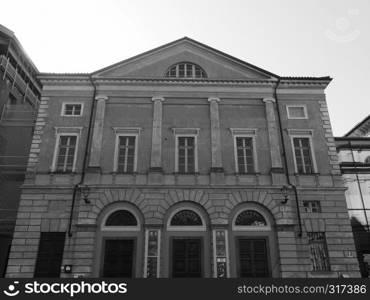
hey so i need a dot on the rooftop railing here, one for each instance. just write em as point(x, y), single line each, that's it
point(13, 74)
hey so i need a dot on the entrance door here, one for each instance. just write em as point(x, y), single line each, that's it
point(253, 260)
point(118, 258)
point(186, 258)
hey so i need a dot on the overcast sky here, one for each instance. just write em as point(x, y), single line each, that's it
point(286, 37)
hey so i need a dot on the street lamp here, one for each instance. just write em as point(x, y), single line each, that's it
point(284, 190)
point(85, 192)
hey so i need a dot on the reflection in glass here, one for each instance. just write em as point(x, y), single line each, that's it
point(353, 196)
point(357, 217)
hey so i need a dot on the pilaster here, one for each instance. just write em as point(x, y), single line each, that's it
point(97, 137)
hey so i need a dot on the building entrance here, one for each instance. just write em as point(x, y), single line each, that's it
point(186, 258)
point(253, 260)
point(118, 258)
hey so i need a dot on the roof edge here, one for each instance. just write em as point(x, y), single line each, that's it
point(258, 69)
point(357, 126)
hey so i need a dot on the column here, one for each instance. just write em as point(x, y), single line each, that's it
point(97, 137)
point(215, 136)
point(156, 155)
point(273, 132)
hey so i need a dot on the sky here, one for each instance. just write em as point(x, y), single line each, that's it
point(285, 37)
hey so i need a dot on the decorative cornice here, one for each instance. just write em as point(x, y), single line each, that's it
point(284, 84)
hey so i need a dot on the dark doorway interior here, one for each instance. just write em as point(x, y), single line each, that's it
point(186, 258)
point(253, 259)
point(118, 258)
point(50, 254)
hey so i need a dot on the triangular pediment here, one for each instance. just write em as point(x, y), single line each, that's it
point(155, 63)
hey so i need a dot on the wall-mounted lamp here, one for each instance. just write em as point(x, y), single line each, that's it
point(85, 192)
point(67, 269)
point(284, 190)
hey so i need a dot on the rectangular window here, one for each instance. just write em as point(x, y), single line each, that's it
point(66, 153)
point(244, 152)
point(50, 254)
point(318, 251)
point(312, 206)
point(186, 154)
point(296, 112)
point(70, 109)
point(126, 154)
point(303, 155)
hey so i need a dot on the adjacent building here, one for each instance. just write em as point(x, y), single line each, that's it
point(354, 156)
point(20, 92)
point(183, 161)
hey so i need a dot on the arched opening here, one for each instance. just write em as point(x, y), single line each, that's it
point(119, 241)
point(187, 241)
point(186, 217)
point(186, 70)
point(250, 218)
point(121, 218)
point(253, 242)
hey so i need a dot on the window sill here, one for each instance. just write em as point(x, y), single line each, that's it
point(247, 174)
point(62, 173)
point(306, 174)
point(193, 173)
point(322, 274)
point(122, 173)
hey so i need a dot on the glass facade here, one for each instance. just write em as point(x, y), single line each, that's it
point(358, 198)
point(355, 166)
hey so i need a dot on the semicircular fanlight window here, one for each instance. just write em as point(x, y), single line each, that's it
point(186, 217)
point(121, 218)
point(250, 218)
point(186, 70)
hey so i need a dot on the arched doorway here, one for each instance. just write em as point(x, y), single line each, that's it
point(187, 242)
point(253, 242)
point(119, 242)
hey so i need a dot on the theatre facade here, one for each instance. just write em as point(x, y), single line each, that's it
point(183, 161)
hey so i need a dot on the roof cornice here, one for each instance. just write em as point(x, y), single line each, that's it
point(193, 42)
point(82, 79)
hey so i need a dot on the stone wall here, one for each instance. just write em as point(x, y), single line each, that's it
point(48, 209)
